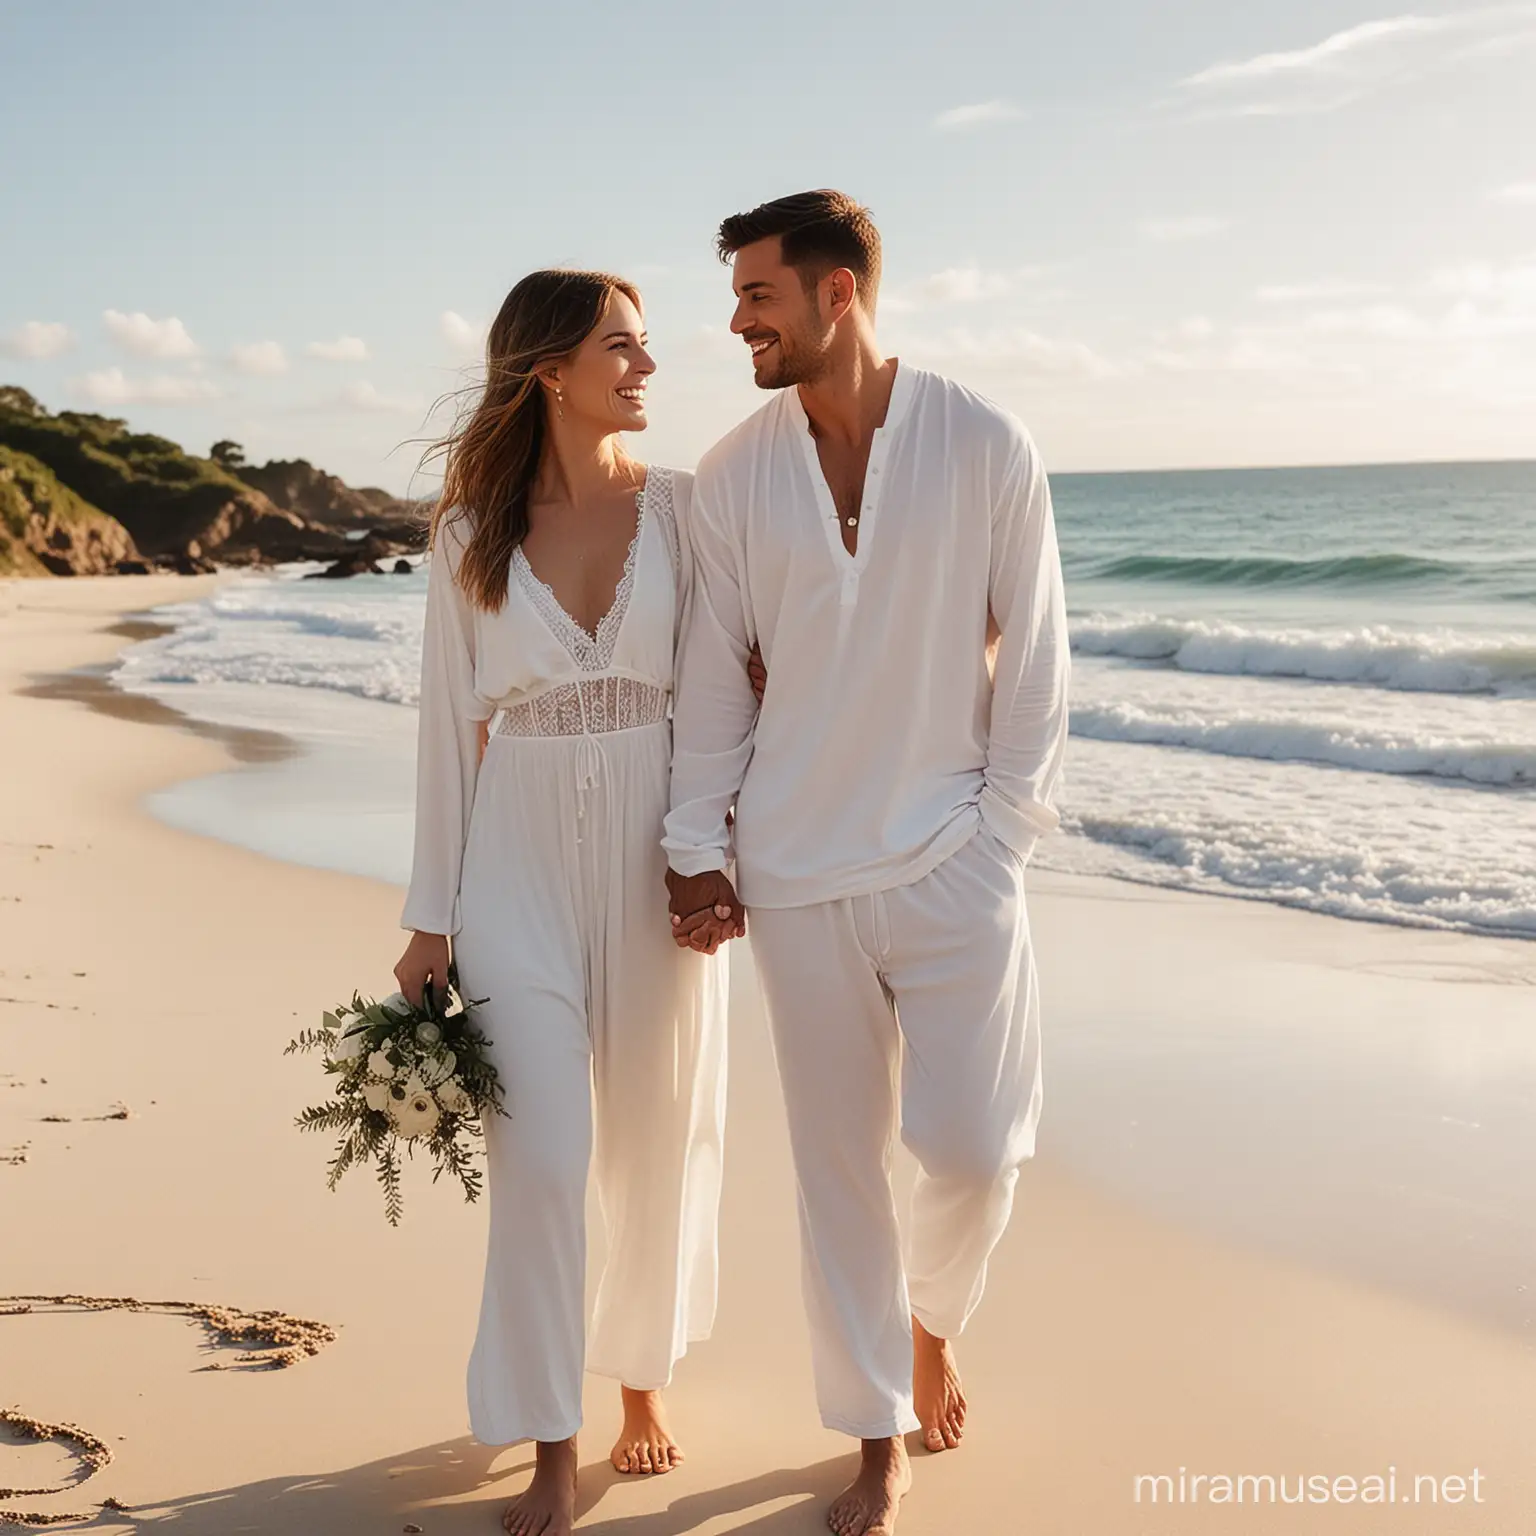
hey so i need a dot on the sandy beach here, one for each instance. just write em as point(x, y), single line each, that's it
point(1280, 1225)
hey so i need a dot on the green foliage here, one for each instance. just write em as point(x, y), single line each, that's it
point(30, 488)
point(334, 1116)
point(14, 398)
point(24, 479)
point(160, 493)
point(388, 1162)
point(174, 503)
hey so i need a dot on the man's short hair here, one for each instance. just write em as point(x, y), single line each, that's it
point(818, 233)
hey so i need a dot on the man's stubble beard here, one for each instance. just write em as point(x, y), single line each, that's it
point(807, 362)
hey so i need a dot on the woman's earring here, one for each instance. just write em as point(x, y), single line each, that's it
point(560, 404)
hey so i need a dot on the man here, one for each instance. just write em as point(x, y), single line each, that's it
point(865, 529)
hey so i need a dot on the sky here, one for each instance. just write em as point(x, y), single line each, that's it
point(1175, 235)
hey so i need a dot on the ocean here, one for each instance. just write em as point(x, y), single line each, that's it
point(1315, 687)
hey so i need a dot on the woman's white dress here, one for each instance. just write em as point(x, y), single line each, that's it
point(545, 862)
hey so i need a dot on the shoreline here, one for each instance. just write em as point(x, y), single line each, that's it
point(97, 688)
point(1233, 1053)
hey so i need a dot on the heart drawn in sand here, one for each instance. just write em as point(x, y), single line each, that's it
point(275, 1340)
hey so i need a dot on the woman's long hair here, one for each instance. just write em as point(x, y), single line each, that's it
point(493, 456)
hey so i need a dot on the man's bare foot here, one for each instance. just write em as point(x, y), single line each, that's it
point(548, 1508)
point(645, 1444)
point(936, 1395)
point(868, 1505)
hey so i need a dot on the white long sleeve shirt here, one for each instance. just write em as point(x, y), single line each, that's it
point(881, 739)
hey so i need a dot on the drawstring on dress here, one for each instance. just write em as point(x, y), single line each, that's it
point(589, 758)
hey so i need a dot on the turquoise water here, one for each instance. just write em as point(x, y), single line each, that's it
point(1447, 544)
point(1312, 685)
point(1309, 686)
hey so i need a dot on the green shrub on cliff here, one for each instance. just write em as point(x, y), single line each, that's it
point(163, 495)
point(46, 529)
point(183, 510)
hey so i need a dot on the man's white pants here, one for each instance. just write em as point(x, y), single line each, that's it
point(933, 983)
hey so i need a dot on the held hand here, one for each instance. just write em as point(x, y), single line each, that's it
point(757, 672)
point(425, 959)
point(705, 910)
point(706, 931)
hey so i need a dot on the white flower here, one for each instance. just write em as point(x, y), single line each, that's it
point(414, 1114)
point(349, 1045)
point(439, 1066)
point(452, 1097)
point(428, 1034)
point(376, 1095)
point(379, 1065)
point(396, 1004)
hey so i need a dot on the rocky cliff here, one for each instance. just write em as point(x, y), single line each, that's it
point(151, 502)
point(47, 530)
point(297, 486)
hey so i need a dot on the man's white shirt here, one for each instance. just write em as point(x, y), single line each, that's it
point(881, 739)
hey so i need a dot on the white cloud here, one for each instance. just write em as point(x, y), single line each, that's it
point(1321, 57)
point(964, 285)
point(345, 349)
point(969, 284)
point(715, 341)
point(110, 386)
point(1349, 64)
point(1486, 302)
point(977, 114)
point(461, 334)
point(1462, 331)
point(143, 337)
point(1198, 226)
point(1520, 193)
point(1018, 346)
point(259, 357)
point(37, 339)
point(364, 396)
point(1326, 290)
point(1390, 322)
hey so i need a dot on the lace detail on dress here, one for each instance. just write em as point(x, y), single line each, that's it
point(661, 499)
point(593, 707)
point(590, 652)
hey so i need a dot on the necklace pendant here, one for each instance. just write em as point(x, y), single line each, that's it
point(853, 522)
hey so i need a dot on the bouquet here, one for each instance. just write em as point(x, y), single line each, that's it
point(404, 1075)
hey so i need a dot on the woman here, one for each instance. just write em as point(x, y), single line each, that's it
point(557, 588)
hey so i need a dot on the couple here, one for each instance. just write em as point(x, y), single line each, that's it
point(595, 727)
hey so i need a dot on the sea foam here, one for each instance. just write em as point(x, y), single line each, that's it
point(1338, 743)
point(1383, 657)
point(1348, 844)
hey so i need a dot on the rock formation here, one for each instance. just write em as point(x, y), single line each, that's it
point(85, 493)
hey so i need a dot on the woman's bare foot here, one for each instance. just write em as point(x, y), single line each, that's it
point(936, 1395)
point(868, 1505)
point(645, 1444)
point(548, 1508)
